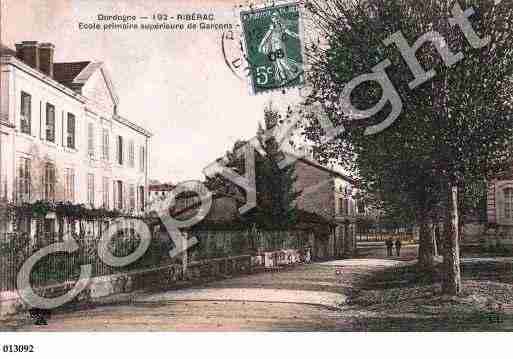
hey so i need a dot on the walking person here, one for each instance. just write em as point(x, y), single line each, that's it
point(389, 243)
point(398, 247)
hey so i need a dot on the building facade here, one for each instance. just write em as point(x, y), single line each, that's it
point(61, 136)
point(499, 229)
point(159, 192)
point(330, 194)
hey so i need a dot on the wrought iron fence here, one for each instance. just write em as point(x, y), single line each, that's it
point(61, 267)
point(381, 235)
point(217, 243)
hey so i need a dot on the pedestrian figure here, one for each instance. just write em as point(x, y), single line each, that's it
point(390, 244)
point(398, 247)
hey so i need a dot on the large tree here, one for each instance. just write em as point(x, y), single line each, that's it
point(276, 193)
point(455, 124)
point(275, 185)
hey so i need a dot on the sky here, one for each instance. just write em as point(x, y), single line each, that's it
point(174, 83)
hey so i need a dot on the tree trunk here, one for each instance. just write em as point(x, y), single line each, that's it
point(435, 230)
point(426, 249)
point(451, 276)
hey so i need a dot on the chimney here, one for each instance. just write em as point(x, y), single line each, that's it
point(46, 51)
point(28, 52)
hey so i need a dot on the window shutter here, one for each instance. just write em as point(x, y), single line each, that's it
point(71, 131)
point(90, 139)
point(50, 122)
point(115, 194)
point(106, 145)
point(26, 113)
point(120, 150)
point(142, 159)
point(491, 203)
point(125, 197)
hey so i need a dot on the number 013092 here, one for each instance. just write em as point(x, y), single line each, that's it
point(17, 348)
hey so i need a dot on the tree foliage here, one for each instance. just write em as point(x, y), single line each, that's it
point(453, 129)
point(275, 186)
point(276, 192)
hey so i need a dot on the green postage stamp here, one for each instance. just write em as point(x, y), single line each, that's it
point(274, 47)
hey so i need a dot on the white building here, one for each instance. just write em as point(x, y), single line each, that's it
point(158, 192)
point(61, 137)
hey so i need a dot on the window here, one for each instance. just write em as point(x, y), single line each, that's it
point(69, 184)
point(24, 224)
point(49, 182)
point(120, 150)
point(71, 131)
point(131, 196)
point(508, 203)
point(119, 191)
point(106, 194)
point(49, 226)
point(141, 198)
point(90, 140)
point(24, 180)
point(361, 206)
point(26, 115)
point(142, 159)
point(90, 189)
point(343, 206)
point(50, 122)
point(105, 149)
point(131, 154)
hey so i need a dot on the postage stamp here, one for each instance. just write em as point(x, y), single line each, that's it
point(274, 47)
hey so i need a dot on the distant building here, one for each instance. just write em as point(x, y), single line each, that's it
point(499, 213)
point(159, 191)
point(61, 136)
point(330, 194)
point(326, 205)
point(185, 199)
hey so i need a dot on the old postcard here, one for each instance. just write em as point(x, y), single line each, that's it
point(234, 166)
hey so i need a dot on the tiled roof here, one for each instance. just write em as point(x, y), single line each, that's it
point(161, 187)
point(315, 164)
point(4, 50)
point(66, 72)
point(63, 72)
point(310, 217)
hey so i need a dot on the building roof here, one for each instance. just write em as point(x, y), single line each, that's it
point(316, 164)
point(4, 50)
point(66, 72)
point(161, 187)
point(310, 217)
point(72, 76)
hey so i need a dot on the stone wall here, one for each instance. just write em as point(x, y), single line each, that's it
point(495, 238)
point(165, 277)
point(218, 242)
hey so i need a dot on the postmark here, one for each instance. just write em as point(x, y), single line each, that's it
point(233, 54)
